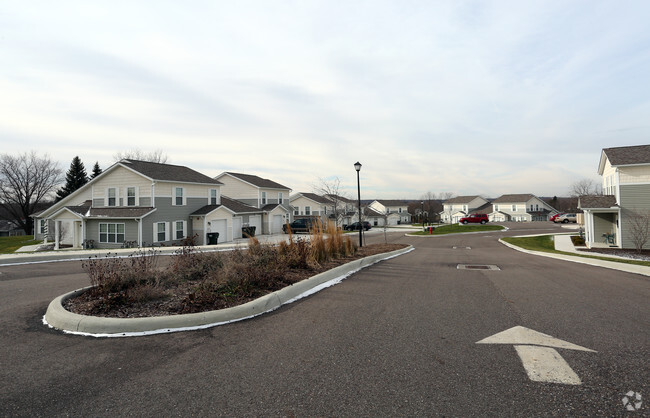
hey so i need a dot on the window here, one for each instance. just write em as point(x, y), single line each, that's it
point(213, 196)
point(160, 232)
point(307, 210)
point(178, 196)
point(400, 210)
point(296, 211)
point(514, 208)
point(130, 196)
point(280, 198)
point(42, 226)
point(111, 233)
point(179, 229)
point(264, 198)
point(111, 197)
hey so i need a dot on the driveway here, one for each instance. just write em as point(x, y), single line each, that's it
point(396, 339)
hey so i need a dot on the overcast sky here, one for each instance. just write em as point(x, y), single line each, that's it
point(470, 97)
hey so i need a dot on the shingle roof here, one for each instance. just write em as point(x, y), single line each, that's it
point(168, 172)
point(368, 211)
point(258, 181)
point(639, 154)
point(461, 199)
point(393, 202)
point(594, 202)
point(514, 198)
point(231, 204)
point(316, 198)
point(485, 208)
point(119, 212)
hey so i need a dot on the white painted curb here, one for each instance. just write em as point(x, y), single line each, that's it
point(59, 318)
point(628, 268)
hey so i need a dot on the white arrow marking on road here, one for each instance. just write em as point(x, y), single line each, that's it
point(535, 349)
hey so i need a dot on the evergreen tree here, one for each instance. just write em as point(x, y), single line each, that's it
point(74, 178)
point(96, 170)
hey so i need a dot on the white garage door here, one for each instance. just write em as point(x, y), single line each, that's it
point(236, 228)
point(256, 221)
point(220, 226)
point(278, 221)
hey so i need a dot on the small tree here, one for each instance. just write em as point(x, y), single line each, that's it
point(584, 187)
point(25, 181)
point(96, 170)
point(639, 228)
point(331, 189)
point(75, 178)
point(155, 156)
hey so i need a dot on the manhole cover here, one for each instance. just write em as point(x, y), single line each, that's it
point(477, 267)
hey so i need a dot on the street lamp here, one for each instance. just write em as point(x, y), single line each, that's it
point(422, 215)
point(357, 166)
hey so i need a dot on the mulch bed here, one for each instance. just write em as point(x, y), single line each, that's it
point(176, 299)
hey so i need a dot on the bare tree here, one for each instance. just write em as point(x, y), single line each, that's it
point(331, 190)
point(155, 156)
point(639, 228)
point(25, 181)
point(444, 196)
point(584, 187)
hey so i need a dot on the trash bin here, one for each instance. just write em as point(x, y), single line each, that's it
point(213, 237)
point(248, 231)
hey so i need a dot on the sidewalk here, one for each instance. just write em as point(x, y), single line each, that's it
point(564, 243)
point(24, 256)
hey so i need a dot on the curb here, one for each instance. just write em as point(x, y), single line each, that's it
point(628, 268)
point(71, 323)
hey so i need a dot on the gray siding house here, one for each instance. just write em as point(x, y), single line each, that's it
point(132, 203)
point(608, 218)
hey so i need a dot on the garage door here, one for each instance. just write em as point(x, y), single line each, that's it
point(236, 228)
point(256, 221)
point(278, 220)
point(220, 226)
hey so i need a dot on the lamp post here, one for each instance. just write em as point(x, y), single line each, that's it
point(357, 166)
point(422, 215)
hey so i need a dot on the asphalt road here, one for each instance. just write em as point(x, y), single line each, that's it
point(396, 339)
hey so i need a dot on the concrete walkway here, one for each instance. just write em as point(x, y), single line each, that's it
point(29, 254)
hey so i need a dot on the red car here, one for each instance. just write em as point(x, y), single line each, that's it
point(475, 218)
point(552, 218)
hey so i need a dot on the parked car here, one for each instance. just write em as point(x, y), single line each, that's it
point(356, 226)
point(300, 225)
point(554, 217)
point(566, 218)
point(475, 218)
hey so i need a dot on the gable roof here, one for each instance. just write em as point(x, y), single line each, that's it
point(392, 202)
point(617, 156)
point(461, 199)
point(486, 208)
point(594, 202)
point(514, 198)
point(315, 197)
point(168, 172)
point(232, 205)
point(256, 180)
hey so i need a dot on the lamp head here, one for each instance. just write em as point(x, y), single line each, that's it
point(357, 166)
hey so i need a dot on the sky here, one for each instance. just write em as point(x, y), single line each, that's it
point(468, 97)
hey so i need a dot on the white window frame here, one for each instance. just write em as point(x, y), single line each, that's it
point(514, 208)
point(263, 198)
point(296, 211)
point(280, 198)
point(115, 233)
point(135, 196)
point(42, 226)
point(183, 230)
point(175, 196)
point(213, 200)
point(116, 196)
point(307, 210)
point(156, 232)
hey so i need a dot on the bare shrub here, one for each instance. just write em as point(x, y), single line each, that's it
point(639, 228)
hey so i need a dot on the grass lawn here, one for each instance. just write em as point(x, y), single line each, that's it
point(456, 229)
point(9, 245)
point(544, 243)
